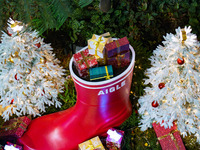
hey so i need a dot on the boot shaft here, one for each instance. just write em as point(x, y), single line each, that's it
point(108, 92)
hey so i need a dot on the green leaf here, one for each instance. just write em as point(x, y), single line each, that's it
point(83, 3)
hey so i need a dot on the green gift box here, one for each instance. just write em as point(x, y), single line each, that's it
point(101, 73)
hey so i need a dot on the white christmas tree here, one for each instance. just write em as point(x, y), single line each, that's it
point(30, 77)
point(174, 79)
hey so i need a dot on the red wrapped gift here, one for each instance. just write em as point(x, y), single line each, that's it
point(8, 144)
point(83, 61)
point(14, 128)
point(118, 53)
point(169, 138)
point(117, 47)
point(119, 60)
point(114, 139)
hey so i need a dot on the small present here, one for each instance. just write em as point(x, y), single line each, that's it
point(11, 146)
point(96, 46)
point(14, 128)
point(120, 60)
point(83, 61)
point(117, 47)
point(92, 144)
point(169, 138)
point(101, 73)
point(114, 139)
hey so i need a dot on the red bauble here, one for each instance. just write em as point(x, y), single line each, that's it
point(154, 104)
point(16, 77)
point(38, 45)
point(9, 34)
point(43, 92)
point(180, 61)
point(161, 85)
point(12, 101)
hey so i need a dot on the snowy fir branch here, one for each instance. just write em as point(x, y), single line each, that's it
point(30, 75)
point(174, 78)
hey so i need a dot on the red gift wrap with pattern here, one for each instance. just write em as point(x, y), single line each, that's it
point(111, 142)
point(118, 53)
point(119, 61)
point(15, 145)
point(14, 128)
point(83, 61)
point(169, 138)
point(117, 47)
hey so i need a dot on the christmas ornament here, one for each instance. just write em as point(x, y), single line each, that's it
point(27, 67)
point(154, 104)
point(12, 101)
point(179, 100)
point(43, 60)
point(43, 92)
point(38, 45)
point(9, 33)
point(16, 77)
point(180, 61)
point(99, 107)
point(161, 85)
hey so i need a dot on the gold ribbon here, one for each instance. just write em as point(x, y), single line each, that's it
point(84, 59)
point(90, 146)
point(184, 36)
point(118, 45)
point(107, 75)
point(97, 44)
point(172, 137)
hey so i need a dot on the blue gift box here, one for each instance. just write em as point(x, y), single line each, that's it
point(101, 73)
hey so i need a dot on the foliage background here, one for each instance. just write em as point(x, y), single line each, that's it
point(70, 23)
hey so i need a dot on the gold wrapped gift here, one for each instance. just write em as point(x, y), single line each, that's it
point(91, 144)
point(96, 46)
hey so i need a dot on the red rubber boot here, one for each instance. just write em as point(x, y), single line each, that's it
point(100, 106)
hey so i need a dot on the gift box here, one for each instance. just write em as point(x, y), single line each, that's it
point(169, 138)
point(118, 53)
point(114, 139)
point(117, 47)
point(83, 61)
point(96, 46)
point(14, 128)
point(11, 146)
point(120, 60)
point(101, 73)
point(92, 144)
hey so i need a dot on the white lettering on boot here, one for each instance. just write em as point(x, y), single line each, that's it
point(112, 89)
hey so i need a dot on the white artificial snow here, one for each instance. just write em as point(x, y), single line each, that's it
point(32, 83)
point(179, 100)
